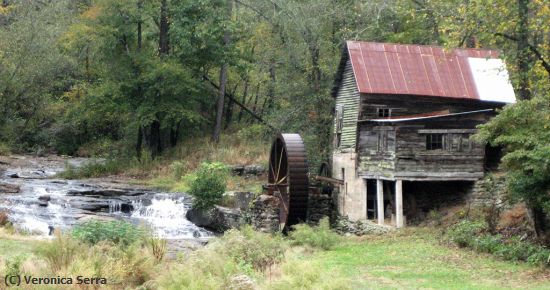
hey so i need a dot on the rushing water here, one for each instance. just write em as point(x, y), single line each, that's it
point(44, 203)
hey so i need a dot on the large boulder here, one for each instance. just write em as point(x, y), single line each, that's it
point(218, 219)
point(9, 188)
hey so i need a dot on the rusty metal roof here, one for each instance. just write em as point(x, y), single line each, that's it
point(385, 68)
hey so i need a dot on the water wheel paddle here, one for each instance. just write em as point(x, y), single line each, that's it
point(288, 178)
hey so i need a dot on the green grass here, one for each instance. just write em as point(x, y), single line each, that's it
point(14, 247)
point(414, 259)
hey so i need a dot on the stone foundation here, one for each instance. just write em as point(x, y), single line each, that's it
point(264, 213)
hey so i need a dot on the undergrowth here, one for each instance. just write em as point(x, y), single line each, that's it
point(320, 236)
point(474, 235)
point(117, 232)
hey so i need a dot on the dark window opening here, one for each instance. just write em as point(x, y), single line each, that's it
point(434, 141)
point(339, 125)
point(384, 112)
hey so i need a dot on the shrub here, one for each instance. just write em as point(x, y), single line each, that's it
point(61, 252)
point(464, 232)
point(118, 232)
point(4, 149)
point(253, 133)
point(13, 266)
point(248, 247)
point(474, 235)
point(177, 168)
point(320, 236)
point(209, 184)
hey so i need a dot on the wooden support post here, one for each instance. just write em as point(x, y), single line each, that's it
point(380, 201)
point(399, 203)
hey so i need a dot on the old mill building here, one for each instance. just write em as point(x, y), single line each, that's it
point(403, 120)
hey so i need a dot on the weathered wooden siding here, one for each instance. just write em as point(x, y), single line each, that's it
point(348, 100)
point(406, 156)
point(376, 147)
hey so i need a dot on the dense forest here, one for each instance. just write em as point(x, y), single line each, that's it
point(127, 78)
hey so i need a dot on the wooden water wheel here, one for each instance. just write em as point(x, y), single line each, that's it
point(288, 178)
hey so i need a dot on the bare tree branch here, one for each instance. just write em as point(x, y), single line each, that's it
point(532, 48)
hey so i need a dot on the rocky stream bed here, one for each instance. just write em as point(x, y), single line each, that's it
point(37, 202)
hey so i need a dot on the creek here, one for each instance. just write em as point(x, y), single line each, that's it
point(44, 202)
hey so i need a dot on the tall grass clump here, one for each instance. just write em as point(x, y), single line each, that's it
point(117, 232)
point(208, 184)
point(159, 247)
point(95, 168)
point(252, 249)
point(320, 236)
point(226, 261)
point(60, 252)
point(302, 274)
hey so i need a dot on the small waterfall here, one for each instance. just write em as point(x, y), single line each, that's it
point(115, 206)
point(167, 216)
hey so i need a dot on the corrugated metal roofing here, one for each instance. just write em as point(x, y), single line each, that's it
point(429, 70)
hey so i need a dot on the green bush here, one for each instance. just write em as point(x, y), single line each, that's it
point(208, 184)
point(254, 132)
point(178, 169)
point(474, 235)
point(118, 232)
point(464, 232)
point(320, 236)
point(250, 248)
point(13, 266)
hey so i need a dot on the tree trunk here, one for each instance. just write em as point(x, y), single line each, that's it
point(223, 83)
point(229, 110)
point(244, 101)
point(164, 27)
point(316, 70)
point(523, 49)
point(139, 142)
point(155, 144)
point(540, 223)
point(174, 134)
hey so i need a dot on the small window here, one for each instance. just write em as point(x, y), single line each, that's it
point(434, 141)
point(383, 112)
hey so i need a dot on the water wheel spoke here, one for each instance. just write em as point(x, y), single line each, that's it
point(280, 162)
point(282, 179)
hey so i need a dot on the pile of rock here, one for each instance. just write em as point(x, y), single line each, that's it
point(360, 228)
point(265, 213)
point(248, 170)
point(319, 206)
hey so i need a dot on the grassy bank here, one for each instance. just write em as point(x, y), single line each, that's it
point(168, 171)
point(413, 259)
point(408, 259)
